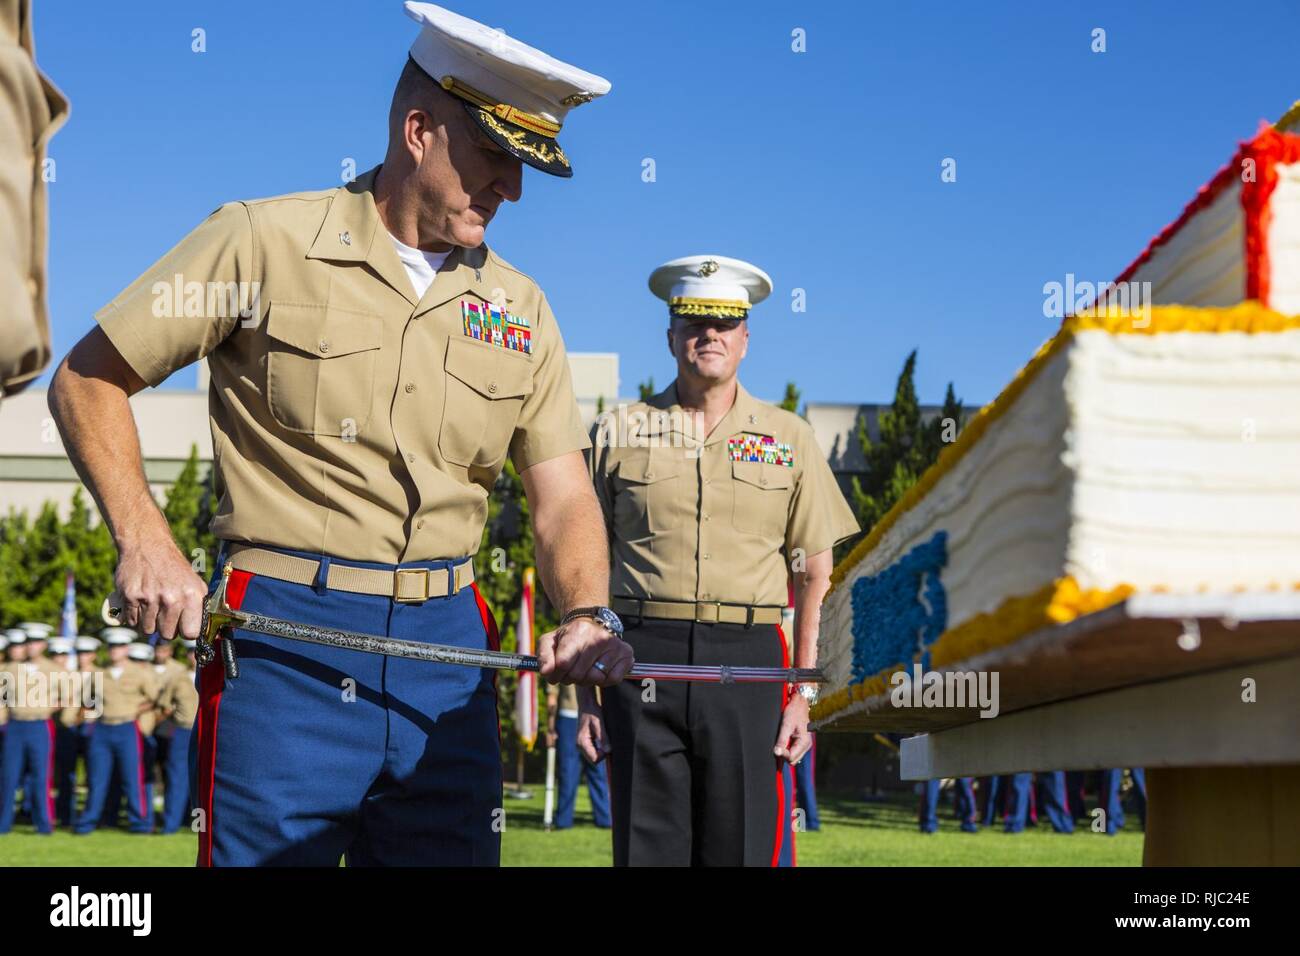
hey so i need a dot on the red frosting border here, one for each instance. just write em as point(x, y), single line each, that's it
point(1267, 149)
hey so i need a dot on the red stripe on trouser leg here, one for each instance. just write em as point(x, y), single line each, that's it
point(146, 811)
point(780, 779)
point(780, 819)
point(494, 644)
point(49, 777)
point(489, 620)
point(212, 680)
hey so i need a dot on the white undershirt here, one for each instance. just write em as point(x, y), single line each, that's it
point(420, 265)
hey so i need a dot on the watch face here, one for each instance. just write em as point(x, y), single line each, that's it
point(610, 620)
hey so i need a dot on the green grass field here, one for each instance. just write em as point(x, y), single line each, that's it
point(853, 833)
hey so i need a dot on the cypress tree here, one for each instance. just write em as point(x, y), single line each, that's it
point(906, 447)
point(791, 400)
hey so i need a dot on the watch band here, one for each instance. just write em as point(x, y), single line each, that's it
point(591, 612)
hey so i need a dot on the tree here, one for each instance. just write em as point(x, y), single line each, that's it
point(791, 400)
point(14, 529)
point(905, 448)
point(92, 558)
point(942, 430)
point(182, 506)
point(188, 510)
point(647, 389)
point(44, 567)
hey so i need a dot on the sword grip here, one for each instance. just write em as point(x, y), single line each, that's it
point(112, 609)
point(228, 659)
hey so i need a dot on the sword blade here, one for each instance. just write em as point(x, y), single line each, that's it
point(390, 646)
point(499, 660)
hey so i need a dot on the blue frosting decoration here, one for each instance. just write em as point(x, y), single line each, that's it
point(900, 611)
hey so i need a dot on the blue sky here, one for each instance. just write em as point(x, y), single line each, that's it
point(823, 167)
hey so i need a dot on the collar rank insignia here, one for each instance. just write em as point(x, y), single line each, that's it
point(487, 323)
point(760, 448)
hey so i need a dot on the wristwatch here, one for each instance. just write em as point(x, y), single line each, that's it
point(808, 692)
point(601, 615)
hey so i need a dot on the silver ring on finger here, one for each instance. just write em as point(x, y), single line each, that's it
point(599, 666)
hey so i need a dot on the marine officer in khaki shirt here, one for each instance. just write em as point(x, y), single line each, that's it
point(377, 367)
point(130, 689)
point(25, 696)
point(31, 110)
point(712, 501)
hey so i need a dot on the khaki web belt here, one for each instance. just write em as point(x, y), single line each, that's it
point(407, 585)
point(705, 612)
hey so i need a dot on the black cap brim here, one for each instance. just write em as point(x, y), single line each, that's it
point(538, 151)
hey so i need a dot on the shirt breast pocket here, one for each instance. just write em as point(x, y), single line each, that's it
point(647, 489)
point(486, 388)
point(760, 497)
point(320, 367)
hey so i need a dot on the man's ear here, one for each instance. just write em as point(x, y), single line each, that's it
point(744, 343)
point(671, 348)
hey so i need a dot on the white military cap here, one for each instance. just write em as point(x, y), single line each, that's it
point(4, 642)
point(119, 635)
point(139, 652)
point(517, 94)
point(710, 287)
point(189, 645)
point(86, 644)
point(15, 635)
point(60, 645)
point(36, 631)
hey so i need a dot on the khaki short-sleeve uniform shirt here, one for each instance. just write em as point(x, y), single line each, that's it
point(723, 519)
point(126, 687)
point(31, 110)
point(181, 697)
point(348, 417)
point(28, 689)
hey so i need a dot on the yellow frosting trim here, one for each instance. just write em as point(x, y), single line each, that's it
point(1250, 317)
point(1290, 118)
point(1057, 603)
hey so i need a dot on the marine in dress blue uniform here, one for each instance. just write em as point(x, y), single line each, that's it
point(1051, 786)
point(129, 690)
point(572, 766)
point(28, 757)
point(363, 407)
point(963, 805)
point(1112, 797)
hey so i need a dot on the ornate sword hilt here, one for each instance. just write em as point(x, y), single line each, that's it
point(216, 615)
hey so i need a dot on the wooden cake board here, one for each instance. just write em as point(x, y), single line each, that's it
point(1203, 691)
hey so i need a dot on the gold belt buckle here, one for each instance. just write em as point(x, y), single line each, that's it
point(717, 612)
point(398, 590)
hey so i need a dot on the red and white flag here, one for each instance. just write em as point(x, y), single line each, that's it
point(526, 693)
